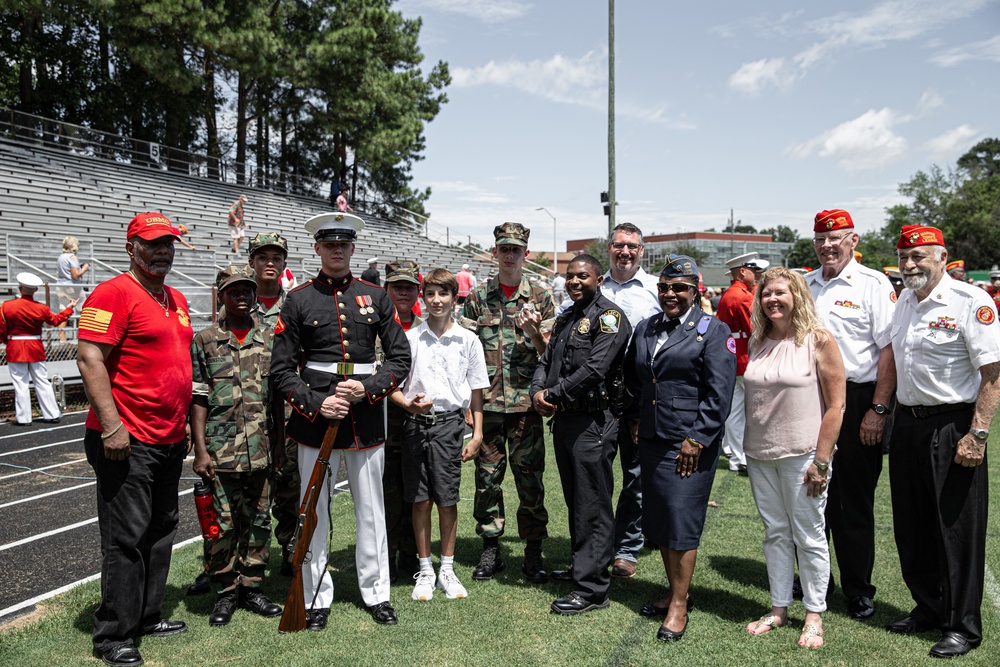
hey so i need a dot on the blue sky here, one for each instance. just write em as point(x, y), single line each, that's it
point(775, 109)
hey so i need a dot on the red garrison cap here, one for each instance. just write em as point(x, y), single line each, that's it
point(957, 264)
point(828, 221)
point(151, 226)
point(912, 236)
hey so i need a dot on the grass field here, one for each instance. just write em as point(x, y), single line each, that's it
point(507, 621)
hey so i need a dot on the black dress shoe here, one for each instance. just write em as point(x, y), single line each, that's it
point(51, 421)
point(573, 604)
point(908, 626)
point(561, 575)
point(255, 601)
point(651, 610)
point(164, 628)
point(14, 422)
point(383, 613)
point(950, 645)
point(202, 584)
point(316, 619)
point(665, 635)
point(861, 608)
point(224, 607)
point(121, 655)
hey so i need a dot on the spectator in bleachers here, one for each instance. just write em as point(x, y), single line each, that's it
point(70, 277)
point(21, 323)
point(237, 223)
point(342, 204)
point(465, 283)
point(180, 239)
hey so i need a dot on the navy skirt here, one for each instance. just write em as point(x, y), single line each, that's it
point(674, 507)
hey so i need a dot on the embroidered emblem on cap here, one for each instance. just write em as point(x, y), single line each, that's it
point(985, 315)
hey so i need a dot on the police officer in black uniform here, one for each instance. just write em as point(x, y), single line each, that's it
point(587, 347)
point(331, 323)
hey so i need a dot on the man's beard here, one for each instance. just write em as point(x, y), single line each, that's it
point(914, 281)
point(160, 270)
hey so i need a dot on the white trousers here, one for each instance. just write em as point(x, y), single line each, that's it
point(793, 522)
point(19, 372)
point(371, 555)
point(736, 423)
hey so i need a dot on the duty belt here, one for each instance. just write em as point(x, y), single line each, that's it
point(341, 368)
point(435, 417)
point(25, 338)
point(924, 411)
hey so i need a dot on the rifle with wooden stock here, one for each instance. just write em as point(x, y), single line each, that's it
point(293, 618)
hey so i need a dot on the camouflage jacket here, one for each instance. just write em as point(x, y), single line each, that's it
point(235, 379)
point(268, 316)
point(510, 356)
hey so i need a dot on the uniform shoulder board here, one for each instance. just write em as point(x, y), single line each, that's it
point(300, 286)
point(610, 321)
point(706, 321)
point(365, 282)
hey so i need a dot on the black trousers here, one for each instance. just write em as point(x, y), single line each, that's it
point(850, 514)
point(137, 515)
point(939, 513)
point(585, 449)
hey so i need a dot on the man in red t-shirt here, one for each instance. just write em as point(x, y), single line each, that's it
point(465, 283)
point(135, 361)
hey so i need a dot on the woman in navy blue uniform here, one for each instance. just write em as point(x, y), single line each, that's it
point(680, 369)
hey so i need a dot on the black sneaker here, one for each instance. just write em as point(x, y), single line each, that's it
point(490, 563)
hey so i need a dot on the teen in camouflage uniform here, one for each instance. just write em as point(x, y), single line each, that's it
point(232, 425)
point(513, 319)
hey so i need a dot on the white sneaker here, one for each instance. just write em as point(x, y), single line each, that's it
point(424, 588)
point(449, 583)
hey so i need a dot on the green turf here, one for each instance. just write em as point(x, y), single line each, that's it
point(507, 621)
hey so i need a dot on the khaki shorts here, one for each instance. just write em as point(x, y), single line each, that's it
point(236, 232)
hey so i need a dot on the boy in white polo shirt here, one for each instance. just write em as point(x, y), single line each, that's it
point(447, 376)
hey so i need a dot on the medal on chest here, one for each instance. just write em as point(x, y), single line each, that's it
point(365, 303)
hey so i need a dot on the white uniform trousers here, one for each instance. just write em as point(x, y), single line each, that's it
point(793, 522)
point(371, 555)
point(19, 372)
point(732, 442)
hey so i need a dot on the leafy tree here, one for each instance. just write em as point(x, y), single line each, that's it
point(681, 249)
point(802, 254)
point(781, 234)
point(598, 248)
point(542, 260)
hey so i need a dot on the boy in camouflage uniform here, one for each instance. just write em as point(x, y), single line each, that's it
point(514, 320)
point(232, 426)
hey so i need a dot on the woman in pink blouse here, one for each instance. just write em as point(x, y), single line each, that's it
point(795, 394)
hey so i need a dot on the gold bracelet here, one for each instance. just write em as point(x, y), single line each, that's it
point(105, 436)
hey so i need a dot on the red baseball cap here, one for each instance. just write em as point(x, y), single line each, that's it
point(151, 226)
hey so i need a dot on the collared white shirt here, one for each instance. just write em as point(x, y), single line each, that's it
point(663, 336)
point(857, 308)
point(941, 342)
point(446, 369)
point(637, 296)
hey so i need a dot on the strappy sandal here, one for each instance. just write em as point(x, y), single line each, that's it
point(769, 621)
point(809, 632)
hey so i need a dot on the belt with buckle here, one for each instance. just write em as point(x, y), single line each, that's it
point(925, 411)
point(435, 417)
point(341, 368)
point(25, 338)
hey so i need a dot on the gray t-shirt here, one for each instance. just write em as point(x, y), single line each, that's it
point(66, 261)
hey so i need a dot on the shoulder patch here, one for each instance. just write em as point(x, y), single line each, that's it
point(892, 295)
point(95, 319)
point(731, 344)
point(985, 315)
point(610, 321)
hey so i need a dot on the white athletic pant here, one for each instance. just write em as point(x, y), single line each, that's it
point(19, 372)
point(371, 556)
point(793, 522)
point(736, 423)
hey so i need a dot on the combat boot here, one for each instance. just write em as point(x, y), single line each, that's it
point(490, 563)
point(533, 569)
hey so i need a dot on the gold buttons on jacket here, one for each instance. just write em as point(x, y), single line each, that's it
point(654, 401)
point(315, 322)
point(347, 356)
point(343, 317)
point(341, 305)
point(343, 329)
point(346, 343)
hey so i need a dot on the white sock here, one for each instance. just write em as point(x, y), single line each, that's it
point(447, 562)
point(426, 565)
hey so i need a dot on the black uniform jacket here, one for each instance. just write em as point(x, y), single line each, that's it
point(337, 320)
point(687, 390)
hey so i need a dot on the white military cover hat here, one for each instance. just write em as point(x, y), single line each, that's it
point(741, 260)
point(373, 260)
point(29, 280)
point(335, 226)
point(759, 264)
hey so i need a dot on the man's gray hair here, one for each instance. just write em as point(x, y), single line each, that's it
point(628, 228)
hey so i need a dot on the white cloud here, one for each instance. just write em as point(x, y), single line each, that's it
point(866, 142)
point(988, 50)
point(469, 192)
point(891, 21)
point(929, 101)
point(487, 11)
point(579, 81)
point(952, 143)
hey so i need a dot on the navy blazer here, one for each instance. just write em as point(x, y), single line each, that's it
point(687, 390)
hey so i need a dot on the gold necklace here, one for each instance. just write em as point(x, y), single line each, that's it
point(165, 304)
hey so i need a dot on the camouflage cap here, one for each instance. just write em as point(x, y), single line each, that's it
point(232, 274)
point(264, 239)
point(402, 269)
point(681, 266)
point(511, 233)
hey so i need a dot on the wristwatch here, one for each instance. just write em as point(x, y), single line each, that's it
point(880, 409)
point(979, 433)
point(822, 467)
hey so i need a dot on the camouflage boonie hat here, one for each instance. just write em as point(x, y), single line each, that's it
point(402, 269)
point(264, 239)
point(234, 273)
point(511, 233)
point(680, 266)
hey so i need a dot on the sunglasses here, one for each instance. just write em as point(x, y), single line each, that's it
point(676, 288)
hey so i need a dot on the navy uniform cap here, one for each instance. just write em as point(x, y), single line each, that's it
point(680, 266)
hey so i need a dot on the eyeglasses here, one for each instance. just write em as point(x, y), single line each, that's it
point(676, 288)
point(832, 240)
point(618, 245)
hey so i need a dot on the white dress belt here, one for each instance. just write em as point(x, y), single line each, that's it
point(341, 368)
point(25, 338)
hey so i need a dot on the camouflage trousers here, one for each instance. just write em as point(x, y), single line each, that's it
point(285, 495)
point(398, 513)
point(516, 437)
point(239, 555)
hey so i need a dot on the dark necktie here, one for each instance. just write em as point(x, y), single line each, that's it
point(667, 325)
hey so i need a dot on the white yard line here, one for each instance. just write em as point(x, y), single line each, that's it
point(45, 495)
point(21, 434)
point(32, 449)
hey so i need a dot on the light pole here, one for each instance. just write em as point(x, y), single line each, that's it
point(555, 245)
